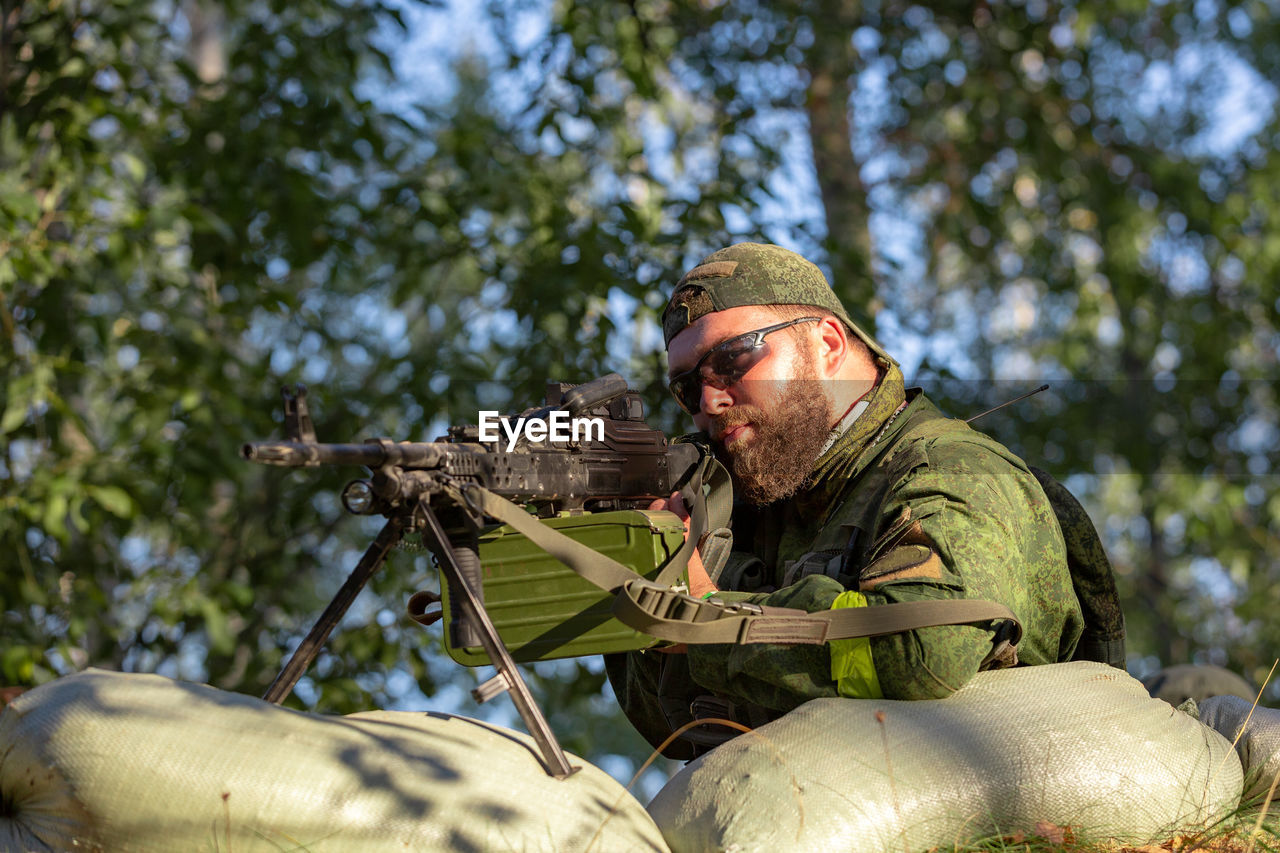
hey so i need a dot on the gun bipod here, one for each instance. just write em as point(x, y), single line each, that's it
point(307, 650)
point(508, 677)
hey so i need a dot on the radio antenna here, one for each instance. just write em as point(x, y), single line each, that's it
point(1006, 403)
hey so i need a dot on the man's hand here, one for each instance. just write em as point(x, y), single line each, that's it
point(699, 582)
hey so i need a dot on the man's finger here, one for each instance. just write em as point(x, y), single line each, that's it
point(699, 582)
point(676, 504)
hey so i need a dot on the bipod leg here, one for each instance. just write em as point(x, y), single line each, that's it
point(372, 560)
point(508, 677)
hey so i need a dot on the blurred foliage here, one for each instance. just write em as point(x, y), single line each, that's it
point(1098, 181)
point(1080, 192)
point(201, 201)
point(187, 209)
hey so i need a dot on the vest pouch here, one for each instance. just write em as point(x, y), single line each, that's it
point(542, 609)
point(1092, 577)
point(742, 572)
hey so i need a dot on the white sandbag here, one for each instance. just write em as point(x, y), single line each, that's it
point(1257, 742)
point(108, 761)
point(1199, 681)
point(1080, 745)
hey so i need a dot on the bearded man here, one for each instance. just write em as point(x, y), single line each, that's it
point(850, 491)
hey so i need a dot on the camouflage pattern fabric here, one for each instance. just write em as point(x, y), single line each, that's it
point(754, 274)
point(1091, 575)
point(907, 506)
point(930, 483)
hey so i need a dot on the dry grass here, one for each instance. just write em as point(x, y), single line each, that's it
point(1241, 832)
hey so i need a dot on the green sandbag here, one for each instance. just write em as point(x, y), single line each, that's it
point(1078, 745)
point(109, 761)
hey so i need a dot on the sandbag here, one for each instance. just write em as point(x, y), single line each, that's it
point(1180, 682)
point(1257, 741)
point(1078, 745)
point(116, 762)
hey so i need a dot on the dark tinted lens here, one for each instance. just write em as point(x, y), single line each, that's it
point(687, 389)
point(719, 367)
point(730, 361)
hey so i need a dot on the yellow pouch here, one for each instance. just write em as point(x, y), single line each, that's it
point(852, 668)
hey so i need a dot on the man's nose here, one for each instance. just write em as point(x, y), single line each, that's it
point(715, 400)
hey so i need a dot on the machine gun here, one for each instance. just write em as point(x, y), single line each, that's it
point(444, 489)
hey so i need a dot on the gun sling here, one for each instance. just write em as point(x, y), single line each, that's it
point(660, 611)
point(680, 618)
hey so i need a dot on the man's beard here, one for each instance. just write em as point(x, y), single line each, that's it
point(787, 442)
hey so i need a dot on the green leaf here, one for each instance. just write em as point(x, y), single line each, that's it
point(55, 514)
point(136, 169)
point(216, 626)
point(15, 414)
point(18, 665)
point(113, 499)
point(74, 67)
point(76, 514)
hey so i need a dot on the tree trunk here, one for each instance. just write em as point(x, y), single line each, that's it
point(830, 63)
point(1153, 587)
point(206, 51)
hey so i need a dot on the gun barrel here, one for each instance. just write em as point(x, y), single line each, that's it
point(413, 454)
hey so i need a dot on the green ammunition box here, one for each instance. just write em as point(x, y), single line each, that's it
point(542, 609)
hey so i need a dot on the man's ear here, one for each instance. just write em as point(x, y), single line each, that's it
point(833, 347)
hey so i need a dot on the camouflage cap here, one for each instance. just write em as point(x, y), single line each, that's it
point(753, 274)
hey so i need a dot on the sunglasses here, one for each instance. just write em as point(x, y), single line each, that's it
point(724, 364)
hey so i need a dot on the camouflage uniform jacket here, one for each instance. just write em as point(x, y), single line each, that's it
point(907, 505)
